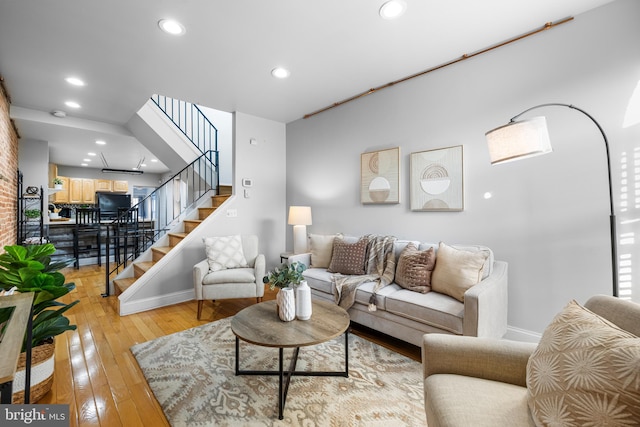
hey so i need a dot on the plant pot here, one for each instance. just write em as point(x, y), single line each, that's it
point(42, 364)
point(57, 186)
point(286, 304)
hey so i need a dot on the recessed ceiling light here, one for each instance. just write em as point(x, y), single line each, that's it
point(59, 113)
point(83, 164)
point(91, 154)
point(393, 9)
point(134, 168)
point(280, 73)
point(154, 160)
point(74, 81)
point(143, 165)
point(100, 142)
point(86, 160)
point(172, 27)
point(72, 104)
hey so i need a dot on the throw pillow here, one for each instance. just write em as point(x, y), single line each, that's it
point(456, 270)
point(224, 252)
point(585, 371)
point(321, 249)
point(348, 258)
point(414, 268)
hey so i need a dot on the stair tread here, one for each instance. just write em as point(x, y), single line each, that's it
point(163, 249)
point(178, 234)
point(124, 283)
point(193, 220)
point(144, 265)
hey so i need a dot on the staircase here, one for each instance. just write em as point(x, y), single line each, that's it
point(158, 252)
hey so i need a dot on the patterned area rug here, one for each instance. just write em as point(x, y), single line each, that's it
point(192, 375)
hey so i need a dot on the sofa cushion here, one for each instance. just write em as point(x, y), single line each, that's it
point(321, 248)
point(224, 252)
point(584, 368)
point(487, 269)
point(319, 279)
point(457, 270)
point(432, 308)
point(456, 400)
point(348, 258)
point(365, 290)
point(414, 268)
point(236, 275)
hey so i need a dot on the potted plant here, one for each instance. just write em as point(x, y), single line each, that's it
point(285, 278)
point(32, 214)
point(29, 269)
point(57, 183)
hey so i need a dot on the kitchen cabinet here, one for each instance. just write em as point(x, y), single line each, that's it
point(62, 196)
point(105, 185)
point(120, 186)
point(82, 191)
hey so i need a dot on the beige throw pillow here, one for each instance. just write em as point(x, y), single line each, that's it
point(348, 258)
point(224, 252)
point(414, 268)
point(456, 270)
point(321, 247)
point(585, 371)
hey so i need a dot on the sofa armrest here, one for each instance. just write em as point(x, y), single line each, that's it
point(199, 271)
point(487, 358)
point(486, 305)
point(258, 270)
point(303, 258)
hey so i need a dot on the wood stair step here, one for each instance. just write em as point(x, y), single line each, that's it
point(175, 238)
point(139, 268)
point(225, 190)
point(205, 212)
point(218, 200)
point(191, 224)
point(159, 251)
point(121, 285)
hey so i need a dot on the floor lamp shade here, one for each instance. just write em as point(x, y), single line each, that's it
point(299, 217)
point(518, 140)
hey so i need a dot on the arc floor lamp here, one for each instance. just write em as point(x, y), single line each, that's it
point(527, 138)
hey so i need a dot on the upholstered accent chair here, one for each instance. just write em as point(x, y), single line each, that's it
point(471, 381)
point(233, 269)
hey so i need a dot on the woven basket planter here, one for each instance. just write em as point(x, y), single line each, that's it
point(42, 363)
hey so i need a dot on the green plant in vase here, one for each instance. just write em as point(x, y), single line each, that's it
point(32, 214)
point(285, 276)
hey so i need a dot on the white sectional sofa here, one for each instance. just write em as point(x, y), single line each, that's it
point(407, 314)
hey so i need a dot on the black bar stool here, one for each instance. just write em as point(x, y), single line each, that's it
point(87, 228)
point(127, 227)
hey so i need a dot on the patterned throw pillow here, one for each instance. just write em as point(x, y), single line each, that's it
point(321, 248)
point(456, 270)
point(224, 252)
point(584, 372)
point(348, 258)
point(414, 268)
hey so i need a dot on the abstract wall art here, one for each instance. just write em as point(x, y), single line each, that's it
point(380, 176)
point(437, 180)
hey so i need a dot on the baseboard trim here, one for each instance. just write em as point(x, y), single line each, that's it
point(146, 304)
point(517, 334)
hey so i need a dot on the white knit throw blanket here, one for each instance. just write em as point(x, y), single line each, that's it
point(380, 267)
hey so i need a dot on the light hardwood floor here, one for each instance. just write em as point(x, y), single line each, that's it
point(96, 374)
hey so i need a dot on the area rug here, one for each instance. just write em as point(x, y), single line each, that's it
point(192, 375)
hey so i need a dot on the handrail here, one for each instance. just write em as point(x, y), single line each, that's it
point(191, 121)
point(161, 208)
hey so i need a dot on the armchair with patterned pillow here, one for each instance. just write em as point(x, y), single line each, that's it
point(584, 371)
point(233, 269)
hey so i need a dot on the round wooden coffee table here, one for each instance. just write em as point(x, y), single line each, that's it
point(259, 324)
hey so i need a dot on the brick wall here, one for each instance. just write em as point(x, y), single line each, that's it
point(8, 175)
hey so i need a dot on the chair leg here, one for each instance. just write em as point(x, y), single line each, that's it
point(259, 300)
point(200, 302)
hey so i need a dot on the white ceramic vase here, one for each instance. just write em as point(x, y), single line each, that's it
point(286, 304)
point(303, 301)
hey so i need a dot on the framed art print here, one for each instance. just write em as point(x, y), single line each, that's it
point(437, 180)
point(380, 176)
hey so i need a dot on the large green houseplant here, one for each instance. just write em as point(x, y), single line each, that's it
point(29, 269)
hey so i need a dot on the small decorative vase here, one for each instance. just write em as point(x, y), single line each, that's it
point(57, 186)
point(286, 304)
point(303, 301)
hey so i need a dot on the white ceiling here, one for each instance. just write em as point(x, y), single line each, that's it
point(333, 48)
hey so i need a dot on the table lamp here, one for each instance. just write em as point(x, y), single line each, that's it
point(299, 217)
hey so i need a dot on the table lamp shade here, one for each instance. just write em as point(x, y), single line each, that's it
point(518, 140)
point(299, 217)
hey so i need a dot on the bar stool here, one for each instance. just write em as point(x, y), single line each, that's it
point(87, 228)
point(127, 227)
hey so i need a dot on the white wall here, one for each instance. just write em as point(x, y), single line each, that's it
point(548, 216)
point(33, 160)
point(223, 121)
